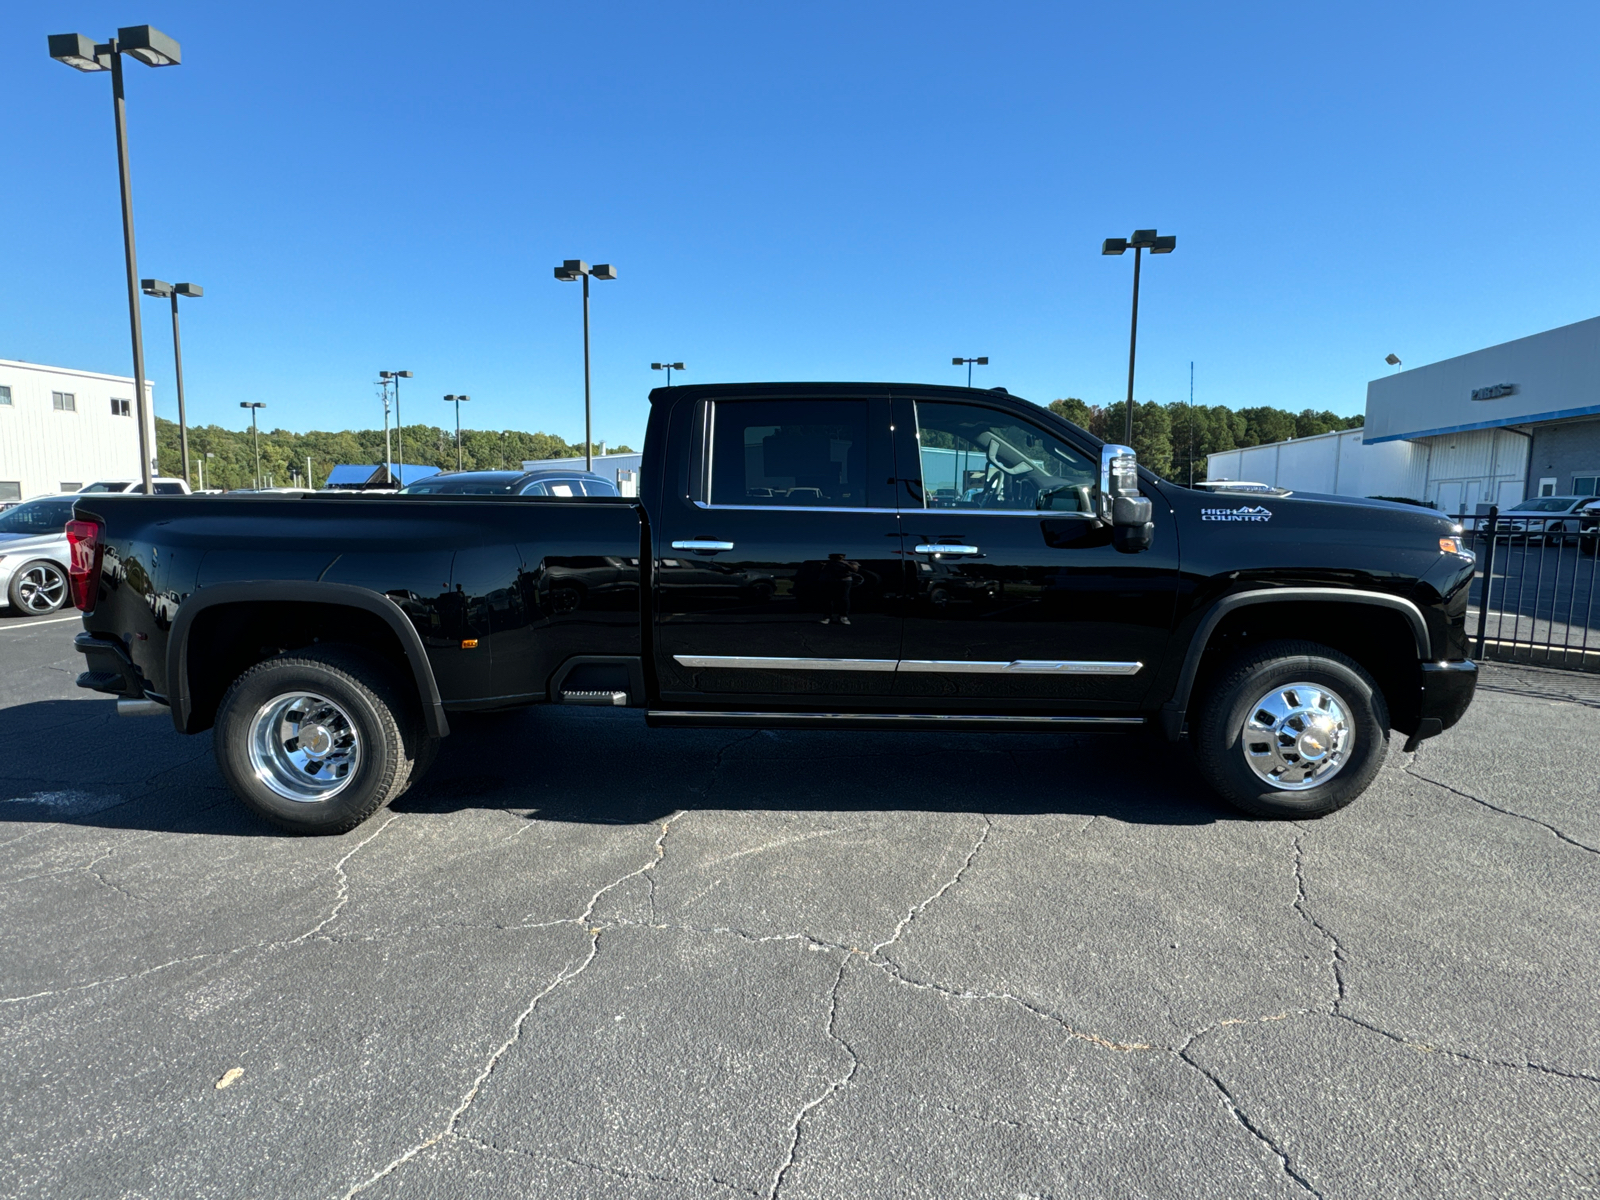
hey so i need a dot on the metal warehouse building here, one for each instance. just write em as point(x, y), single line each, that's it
point(1490, 427)
point(61, 428)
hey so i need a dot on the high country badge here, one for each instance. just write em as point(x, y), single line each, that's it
point(1246, 513)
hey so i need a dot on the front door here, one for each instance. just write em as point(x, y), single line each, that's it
point(778, 572)
point(1019, 598)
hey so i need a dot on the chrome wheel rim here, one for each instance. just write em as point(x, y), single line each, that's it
point(42, 588)
point(304, 747)
point(1298, 736)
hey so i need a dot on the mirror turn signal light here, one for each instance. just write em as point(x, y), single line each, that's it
point(469, 643)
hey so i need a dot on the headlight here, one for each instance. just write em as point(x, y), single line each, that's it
point(1456, 545)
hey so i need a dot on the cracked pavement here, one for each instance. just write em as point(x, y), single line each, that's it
point(587, 959)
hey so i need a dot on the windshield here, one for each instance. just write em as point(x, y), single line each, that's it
point(1545, 504)
point(487, 484)
point(37, 517)
point(107, 487)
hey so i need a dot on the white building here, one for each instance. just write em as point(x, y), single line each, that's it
point(1490, 427)
point(61, 428)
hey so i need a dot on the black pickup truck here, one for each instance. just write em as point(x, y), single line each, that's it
point(839, 556)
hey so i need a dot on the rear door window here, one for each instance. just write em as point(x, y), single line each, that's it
point(790, 453)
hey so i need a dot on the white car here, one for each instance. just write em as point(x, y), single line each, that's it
point(163, 485)
point(34, 555)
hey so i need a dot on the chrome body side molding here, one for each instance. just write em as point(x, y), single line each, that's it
point(1020, 666)
point(742, 662)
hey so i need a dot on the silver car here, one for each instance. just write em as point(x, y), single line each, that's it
point(34, 555)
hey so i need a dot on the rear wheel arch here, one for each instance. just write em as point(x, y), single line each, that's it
point(224, 630)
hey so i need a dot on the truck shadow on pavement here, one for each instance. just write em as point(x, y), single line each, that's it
point(74, 762)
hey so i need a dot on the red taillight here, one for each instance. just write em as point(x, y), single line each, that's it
point(84, 539)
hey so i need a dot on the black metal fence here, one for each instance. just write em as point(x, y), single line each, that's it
point(1535, 599)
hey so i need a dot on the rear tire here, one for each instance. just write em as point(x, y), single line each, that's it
point(1326, 738)
point(317, 740)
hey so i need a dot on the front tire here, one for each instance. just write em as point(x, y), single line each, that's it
point(1291, 729)
point(38, 587)
point(317, 740)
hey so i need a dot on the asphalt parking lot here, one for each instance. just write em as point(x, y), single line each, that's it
point(587, 959)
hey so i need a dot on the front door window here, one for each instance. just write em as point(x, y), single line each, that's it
point(981, 458)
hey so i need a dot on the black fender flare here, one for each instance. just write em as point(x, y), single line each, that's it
point(302, 591)
point(1172, 712)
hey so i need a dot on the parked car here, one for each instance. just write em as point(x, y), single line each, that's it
point(770, 575)
point(163, 486)
point(1589, 525)
point(1553, 517)
point(34, 556)
point(550, 482)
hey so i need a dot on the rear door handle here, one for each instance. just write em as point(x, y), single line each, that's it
point(942, 548)
point(703, 544)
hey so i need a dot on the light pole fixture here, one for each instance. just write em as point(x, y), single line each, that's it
point(571, 269)
point(399, 426)
point(155, 287)
point(669, 368)
point(1142, 240)
point(255, 434)
point(155, 49)
point(982, 362)
point(1392, 359)
point(457, 400)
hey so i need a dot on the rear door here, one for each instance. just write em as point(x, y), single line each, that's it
point(778, 571)
point(1018, 596)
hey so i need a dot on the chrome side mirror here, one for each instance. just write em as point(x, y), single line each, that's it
point(1121, 506)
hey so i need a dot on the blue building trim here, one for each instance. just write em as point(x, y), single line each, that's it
point(1531, 418)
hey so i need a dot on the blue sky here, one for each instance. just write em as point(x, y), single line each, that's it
point(821, 191)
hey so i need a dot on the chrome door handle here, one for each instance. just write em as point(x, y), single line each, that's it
point(942, 548)
point(702, 544)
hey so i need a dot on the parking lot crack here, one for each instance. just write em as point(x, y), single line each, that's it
point(566, 975)
point(342, 895)
point(1463, 1056)
point(834, 1087)
point(916, 910)
point(1336, 959)
point(1252, 1126)
point(1545, 825)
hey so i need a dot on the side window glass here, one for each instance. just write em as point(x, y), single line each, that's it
point(981, 458)
point(598, 487)
point(535, 489)
point(789, 453)
point(564, 488)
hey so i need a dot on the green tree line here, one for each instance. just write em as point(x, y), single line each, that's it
point(284, 453)
point(1163, 434)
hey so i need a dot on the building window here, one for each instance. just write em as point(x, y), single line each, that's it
point(1586, 485)
point(1547, 486)
point(10, 489)
point(121, 408)
point(72, 487)
point(63, 402)
point(5, 394)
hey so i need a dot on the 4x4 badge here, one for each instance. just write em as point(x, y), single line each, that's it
point(1246, 513)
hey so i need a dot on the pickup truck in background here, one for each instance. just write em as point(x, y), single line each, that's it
point(840, 556)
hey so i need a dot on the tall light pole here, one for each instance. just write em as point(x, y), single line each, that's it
point(255, 434)
point(669, 368)
point(155, 49)
point(982, 362)
point(576, 268)
point(457, 400)
point(209, 456)
point(155, 287)
point(1142, 240)
point(399, 425)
